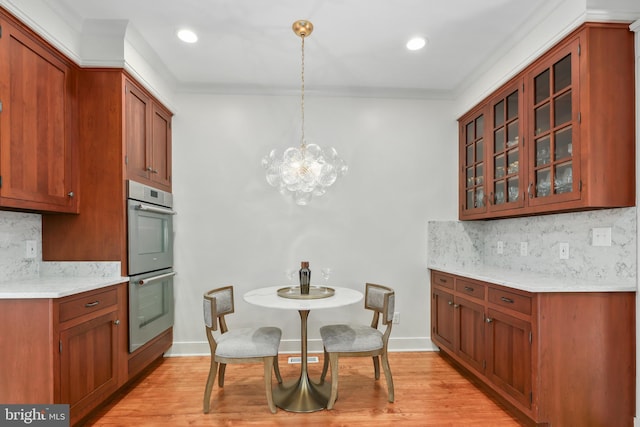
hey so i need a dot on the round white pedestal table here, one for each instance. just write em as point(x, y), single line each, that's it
point(302, 395)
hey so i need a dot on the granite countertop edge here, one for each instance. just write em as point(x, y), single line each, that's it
point(55, 286)
point(536, 282)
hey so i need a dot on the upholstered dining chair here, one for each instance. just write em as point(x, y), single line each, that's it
point(246, 345)
point(361, 340)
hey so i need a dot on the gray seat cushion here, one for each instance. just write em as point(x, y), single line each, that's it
point(350, 338)
point(249, 342)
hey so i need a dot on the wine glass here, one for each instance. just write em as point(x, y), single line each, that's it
point(326, 272)
point(291, 275)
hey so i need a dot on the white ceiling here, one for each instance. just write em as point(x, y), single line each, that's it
point(356, 45)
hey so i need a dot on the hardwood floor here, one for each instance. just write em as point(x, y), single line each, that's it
point(428, 392)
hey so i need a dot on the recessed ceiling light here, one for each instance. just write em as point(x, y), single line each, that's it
point(187, 36)
point(416, 43)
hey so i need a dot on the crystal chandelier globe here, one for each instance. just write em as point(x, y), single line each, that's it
point(308, 170)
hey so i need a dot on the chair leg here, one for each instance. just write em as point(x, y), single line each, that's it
point(223, 367)
point(376, 367)
point(268, 367)
point(325, 366)
point(388, 377)
point(211, 379)
point(276, 369)
point(334, 380)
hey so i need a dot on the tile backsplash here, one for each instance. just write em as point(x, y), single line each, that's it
point(16, 229)
point(464, 244)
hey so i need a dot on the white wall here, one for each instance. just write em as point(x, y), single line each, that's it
point(233, 228)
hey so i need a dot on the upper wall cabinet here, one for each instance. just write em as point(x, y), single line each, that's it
point(148, 138)
point(38, 156)
point(559, 136)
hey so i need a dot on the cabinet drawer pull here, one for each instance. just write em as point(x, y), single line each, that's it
point(505, 299)
point(468, 288)
point(442, 280)
point(91, 304)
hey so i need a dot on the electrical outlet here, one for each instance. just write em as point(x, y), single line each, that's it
point(30, 248)
point(601, 236)
point(524, 248)
point(500, 247)
point(396, 317)
point(564, 250)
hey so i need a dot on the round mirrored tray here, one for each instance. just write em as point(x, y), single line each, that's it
point(315, 292)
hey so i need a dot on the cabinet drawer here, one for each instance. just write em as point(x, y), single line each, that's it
point(442, 280)
point(87, 304)
point(510, 300)
point(472, 289)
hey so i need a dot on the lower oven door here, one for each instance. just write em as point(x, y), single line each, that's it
point(150, 306)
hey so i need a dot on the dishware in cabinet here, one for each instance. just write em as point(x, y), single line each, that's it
point(553, 107)
point(507, 160)
point(473, 194)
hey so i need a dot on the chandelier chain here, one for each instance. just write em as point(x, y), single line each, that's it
point(302, 91)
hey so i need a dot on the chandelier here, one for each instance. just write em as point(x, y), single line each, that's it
point(308, 170)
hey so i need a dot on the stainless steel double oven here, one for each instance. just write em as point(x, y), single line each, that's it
point(150, 252)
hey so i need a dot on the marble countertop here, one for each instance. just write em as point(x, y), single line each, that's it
point(536, 282)
point(54, 287)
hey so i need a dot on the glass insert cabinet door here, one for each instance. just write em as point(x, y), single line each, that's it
point(506, 151)
point(554, 115)
point(473, 164)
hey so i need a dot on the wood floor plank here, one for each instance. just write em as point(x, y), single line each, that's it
point(428, 392)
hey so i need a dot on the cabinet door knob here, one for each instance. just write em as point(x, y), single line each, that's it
point(450, 302)
point(71, 194)
point(456, 305)
point(489, 320)
point(116, 322)
point(149, 169)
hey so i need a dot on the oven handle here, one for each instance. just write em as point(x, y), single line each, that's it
point(143, 282)
point(154, 209)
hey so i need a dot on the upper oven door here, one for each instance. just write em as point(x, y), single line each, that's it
point(150, 230)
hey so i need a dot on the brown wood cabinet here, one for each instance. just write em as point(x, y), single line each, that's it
point(555, 358)
point(557, 137)
point(99, 233)
point(68, 350)
point(115, 127)
point(148, 138)
point(38, 136)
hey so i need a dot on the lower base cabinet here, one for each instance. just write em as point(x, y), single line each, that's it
point(555, 358)
point(69, 350)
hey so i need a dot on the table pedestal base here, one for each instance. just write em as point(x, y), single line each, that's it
point(302, 395)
